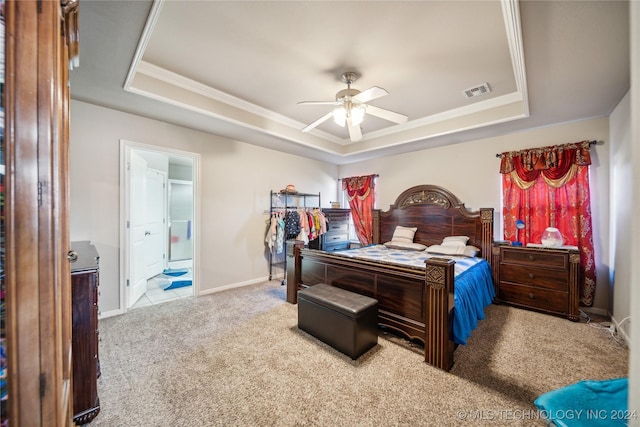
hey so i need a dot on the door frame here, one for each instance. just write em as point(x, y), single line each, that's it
point(126, 147)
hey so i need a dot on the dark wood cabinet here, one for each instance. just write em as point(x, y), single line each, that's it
point(84, 332)
point(337, 236)
point(540, 278)
point(41, 45)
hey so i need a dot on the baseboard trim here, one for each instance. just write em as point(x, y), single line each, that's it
point(234, 285)
point(596, 310)
point(110, 313)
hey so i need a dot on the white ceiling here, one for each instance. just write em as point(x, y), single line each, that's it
point(239, 68)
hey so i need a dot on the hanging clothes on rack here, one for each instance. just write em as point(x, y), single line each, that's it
point(304, 226)
point(280, 235)
point(292, 224)
point(272, 230)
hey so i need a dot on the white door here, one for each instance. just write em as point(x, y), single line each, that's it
point(155, 222)
point(137, 227)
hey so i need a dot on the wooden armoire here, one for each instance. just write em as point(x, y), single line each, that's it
point(41, 44)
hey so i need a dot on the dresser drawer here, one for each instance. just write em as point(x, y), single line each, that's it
point(330, 238)
point(549, 259)
point(337, 227)
point(542, 277)
point(534, 297)
point(337, 214)
point(336, 246)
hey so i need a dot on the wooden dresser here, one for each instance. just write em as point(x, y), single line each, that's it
point(84, 297)
point(541, 279)
point(337, 236)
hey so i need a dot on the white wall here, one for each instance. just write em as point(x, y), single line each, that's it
point(634, 255)
point(621, 211)
point(470, 170)
point(236, 179)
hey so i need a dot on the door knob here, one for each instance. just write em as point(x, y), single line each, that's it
point(147, 233)
point(72, 256)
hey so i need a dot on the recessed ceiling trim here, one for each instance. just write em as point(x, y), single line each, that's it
point(160, 90)
point(154, 14)
point(487, 117)
point(511, 15)
point(468, 110)
point(180, 81)
point(186, 83)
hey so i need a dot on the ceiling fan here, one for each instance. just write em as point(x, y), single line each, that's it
point(351, 106)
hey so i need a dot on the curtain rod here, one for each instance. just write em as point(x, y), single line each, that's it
point(590, 143)
point(375, 174)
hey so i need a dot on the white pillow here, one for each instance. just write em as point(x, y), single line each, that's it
point(406, 246)
point(468, 251)
point(403, 234)
point(454, 243)
point(463, 239)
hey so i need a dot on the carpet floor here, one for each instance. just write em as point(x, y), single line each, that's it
point(237, 358)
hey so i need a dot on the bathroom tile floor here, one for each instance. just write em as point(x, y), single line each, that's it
point(157, 295)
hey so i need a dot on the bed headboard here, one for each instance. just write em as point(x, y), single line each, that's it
point(437, 213)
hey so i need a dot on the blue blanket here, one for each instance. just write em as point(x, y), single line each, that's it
point(588, 403)
point(473, 291)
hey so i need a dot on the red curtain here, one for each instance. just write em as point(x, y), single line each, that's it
point(549, 187)
point(360, 194)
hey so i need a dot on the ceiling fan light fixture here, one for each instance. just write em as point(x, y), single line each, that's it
point(357, 115)
point(340, 116)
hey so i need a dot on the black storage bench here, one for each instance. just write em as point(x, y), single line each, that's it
point(342, 319)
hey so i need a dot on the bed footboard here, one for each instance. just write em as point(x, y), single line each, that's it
point(414, 302)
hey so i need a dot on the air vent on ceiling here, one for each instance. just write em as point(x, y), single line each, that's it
point(477, 90)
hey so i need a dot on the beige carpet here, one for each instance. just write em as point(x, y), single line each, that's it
point(236, 358)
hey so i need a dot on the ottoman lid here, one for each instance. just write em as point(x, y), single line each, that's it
point(337, 299)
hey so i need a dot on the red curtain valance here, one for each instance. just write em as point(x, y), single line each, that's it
point(554, 162)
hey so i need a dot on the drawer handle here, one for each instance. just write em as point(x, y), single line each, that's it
point(532, 258)
point(531, 275)
point(335, 238)
point(72, 256)
point(531, 296)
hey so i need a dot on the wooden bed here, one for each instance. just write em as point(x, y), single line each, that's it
point(417, 303)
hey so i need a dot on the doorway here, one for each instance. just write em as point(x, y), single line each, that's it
point(148, 231)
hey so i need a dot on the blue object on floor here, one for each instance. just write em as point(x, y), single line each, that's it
point(178, 284)
point(175, 271)
point(587, 403)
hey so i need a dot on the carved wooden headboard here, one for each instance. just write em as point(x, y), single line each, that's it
point(436, 213)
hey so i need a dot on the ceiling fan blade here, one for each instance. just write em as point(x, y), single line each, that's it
point(318, 122)
point(372, 93)
point(320, 103)
point(355, 134)
point(386, 114)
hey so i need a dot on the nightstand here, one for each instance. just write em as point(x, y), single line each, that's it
point(541, 278)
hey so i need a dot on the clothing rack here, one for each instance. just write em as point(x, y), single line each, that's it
point(590, 143)
point(288, 201)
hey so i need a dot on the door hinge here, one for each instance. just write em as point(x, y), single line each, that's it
point(127, 283)
point(40, 185)
point(43, 384)
point(128, 224)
